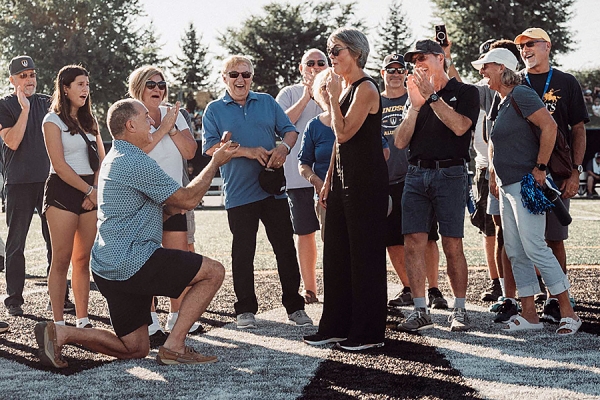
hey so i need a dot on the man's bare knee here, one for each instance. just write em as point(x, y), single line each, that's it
point(210, 270)
point(137, 344)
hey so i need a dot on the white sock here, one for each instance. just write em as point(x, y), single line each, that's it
point(502, 286)
point(81, 322)
point(174, 315)
point(154, 318)
point(59, 323)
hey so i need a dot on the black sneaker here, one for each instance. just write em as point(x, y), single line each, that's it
point(317, 339)
point(354, 346)
point(68, 306)
point(506, 310)
point(493, 292)
point(404, 298)
point(436, 299)
point(14, 310)
point(541, 297)
point(3, 326)
point(551, 311)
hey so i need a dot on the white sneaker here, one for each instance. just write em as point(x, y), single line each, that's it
point(172, 318)
point(299, 318)
point(246, 321)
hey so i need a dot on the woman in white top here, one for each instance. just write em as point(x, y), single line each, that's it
point(70, 196)
point(172, 140)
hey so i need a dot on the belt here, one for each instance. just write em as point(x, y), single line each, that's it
point(437, 164)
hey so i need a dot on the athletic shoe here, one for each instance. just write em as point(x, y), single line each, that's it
point(190, 356)
point(496, 306)
point(418, 320)
point(14, 310)
point(507, 310)
point(459, 320)
point(49, 352)
point(403, 298)
point(3, 326)
point(436, 299)
point(172, 318)
point(493, 291)
point(155, 328)
point(67, 306)
point(246, 321)
point(1, 263)
point(299, 318)
point(551, 311)
point(317, 339)
point(541, 297)
point(353, 346)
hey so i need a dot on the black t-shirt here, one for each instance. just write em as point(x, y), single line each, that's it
point(30, 162)
point(391, 117)
point(432, 140)
point(563, 99)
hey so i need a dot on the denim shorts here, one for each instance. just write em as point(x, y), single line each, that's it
point(435, 192)
point(302, 210)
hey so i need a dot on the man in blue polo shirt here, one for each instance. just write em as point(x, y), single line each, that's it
point(255, 121)
point(129, 265)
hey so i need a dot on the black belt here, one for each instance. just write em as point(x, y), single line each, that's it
point(436, 164)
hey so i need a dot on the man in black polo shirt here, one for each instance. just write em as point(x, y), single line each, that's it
point(436, 128)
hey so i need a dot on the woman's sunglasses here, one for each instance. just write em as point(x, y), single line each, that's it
point(235, 74)
point(335, 51)
point(162, 85)
point(311, 63)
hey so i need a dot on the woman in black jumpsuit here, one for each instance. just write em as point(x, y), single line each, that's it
point(356, 196)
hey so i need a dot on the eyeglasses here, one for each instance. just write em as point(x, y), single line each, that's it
point(395, 70)
point(162, 85)
point(335, 51)
point(420, 57)
point(24, 75)
point(235, 74)
point(311, 63)
point(529, 44)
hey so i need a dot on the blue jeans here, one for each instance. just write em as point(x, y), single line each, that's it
point(526, 246)
point(430, 193)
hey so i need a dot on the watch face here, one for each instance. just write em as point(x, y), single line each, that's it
point(432, 98)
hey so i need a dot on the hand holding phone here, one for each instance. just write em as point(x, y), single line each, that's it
point(440, 35)
point(226, 138)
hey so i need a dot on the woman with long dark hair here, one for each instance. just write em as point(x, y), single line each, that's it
point(70, 196)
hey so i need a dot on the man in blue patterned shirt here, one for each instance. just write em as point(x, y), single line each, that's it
point(128, 263)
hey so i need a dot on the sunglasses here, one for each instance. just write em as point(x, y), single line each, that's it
point(420, 57)
point(235, 74)
point(395, 70)
point(162, 85)
point(335, 51)
point(311, 63)
point(529, 44)
point(24, 75)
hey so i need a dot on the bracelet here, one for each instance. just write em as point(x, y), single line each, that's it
point(90, 190)
point(287, 146)
point(173, 130)
point(309, 178)
point(414, 109)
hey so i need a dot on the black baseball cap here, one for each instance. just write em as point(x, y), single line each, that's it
point(393, 59)
point(272, 180)
point(425, 46)
point(20, 64)
point(485, 46)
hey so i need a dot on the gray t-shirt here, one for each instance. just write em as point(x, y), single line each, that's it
point(516, 146)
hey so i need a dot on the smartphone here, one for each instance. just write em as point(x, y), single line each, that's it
point(441, 36)
point(226, 136)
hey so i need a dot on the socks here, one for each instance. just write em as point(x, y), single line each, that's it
point(459, 302)
point(59, 323)
point(420, 302)
point(502, 286)
point(154, 318)
point(82, 322)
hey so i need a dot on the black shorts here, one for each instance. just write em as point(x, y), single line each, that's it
point(166, 273)
point(394, 236)
point(59, 194)
point(176, 223)
point(302, 210)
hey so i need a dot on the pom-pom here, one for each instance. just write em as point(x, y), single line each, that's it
point(532, 196)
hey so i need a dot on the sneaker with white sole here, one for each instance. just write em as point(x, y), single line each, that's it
point(418, 320)
point(354, 346)
point(246, 321)
point(459, 320)
point(317, 339)
point(172, 318)
point(299, 318)
point(404, 298)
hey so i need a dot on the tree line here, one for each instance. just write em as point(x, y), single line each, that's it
point(102, 36)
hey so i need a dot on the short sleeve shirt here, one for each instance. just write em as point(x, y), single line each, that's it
point(258, 123)
point(131, 191)
point(391, 117)
point(317, 145)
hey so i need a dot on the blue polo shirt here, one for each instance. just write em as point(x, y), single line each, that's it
point(131, 190)
point(258, 123)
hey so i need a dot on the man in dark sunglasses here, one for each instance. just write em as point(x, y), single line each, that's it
point(296, 101)
point(561, 93)
point(256, 122)
point(26, 169)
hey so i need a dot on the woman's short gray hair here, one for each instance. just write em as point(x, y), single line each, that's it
point(509, 77)
point(357, 43)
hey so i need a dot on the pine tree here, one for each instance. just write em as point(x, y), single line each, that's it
point(192, 71)
point(394, 34)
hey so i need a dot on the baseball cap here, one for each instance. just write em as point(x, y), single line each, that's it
point(20, 64)
point(498, 56)
point(532, 33)
point(597, 155)
point(425, 46)
point(485, 46)
point(272, 181)
point(393, 59)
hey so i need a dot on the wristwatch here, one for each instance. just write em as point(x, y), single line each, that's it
point(541, 167)
point(578, 167)
point(433, 98)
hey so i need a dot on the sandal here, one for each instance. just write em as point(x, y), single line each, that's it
point(521, 324)
point(570, 325)
point(310, 297)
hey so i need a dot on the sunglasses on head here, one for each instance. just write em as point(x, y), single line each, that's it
point(311, 63)
point(235, 74)
point(162, 85)
point(24, 75)
point(531, 43)
point(395, 70)
point(335, 51)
